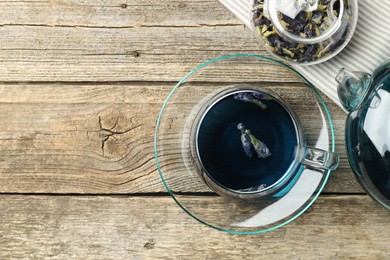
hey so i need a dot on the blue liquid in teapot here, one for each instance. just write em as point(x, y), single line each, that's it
point(368, 130)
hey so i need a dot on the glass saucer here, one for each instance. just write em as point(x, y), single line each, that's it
point(180, 172)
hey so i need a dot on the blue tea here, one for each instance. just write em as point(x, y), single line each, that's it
point(367, 99)
point(373, 138)
point(246, 140)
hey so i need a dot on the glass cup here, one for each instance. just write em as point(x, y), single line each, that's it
point(249, 143)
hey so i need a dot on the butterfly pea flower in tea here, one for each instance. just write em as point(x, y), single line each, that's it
point(250, 143)
point(260, 148)
point(246, 141)
point(255, 98)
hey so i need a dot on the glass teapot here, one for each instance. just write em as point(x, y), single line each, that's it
point(367, 99)
point(305, 31)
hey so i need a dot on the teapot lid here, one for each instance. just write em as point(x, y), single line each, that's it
point(305, 21)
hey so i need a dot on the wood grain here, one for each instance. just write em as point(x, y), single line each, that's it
point(98, 138)
point(36, 227)
point(112, 14)
point(101, 41)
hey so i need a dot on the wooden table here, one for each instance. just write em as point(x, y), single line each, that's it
point(81, 85)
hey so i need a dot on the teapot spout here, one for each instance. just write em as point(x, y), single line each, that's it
point(352, 88)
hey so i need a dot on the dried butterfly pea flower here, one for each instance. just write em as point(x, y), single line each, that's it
point(308, 30)
point(309, 53)
point(288, 52)
point(309, 15)
point(322, 7)
point(317, 17)
point(305, 25)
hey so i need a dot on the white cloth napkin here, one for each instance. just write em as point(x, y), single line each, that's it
point(369, 47)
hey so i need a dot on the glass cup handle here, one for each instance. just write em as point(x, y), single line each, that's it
point(320, 159)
